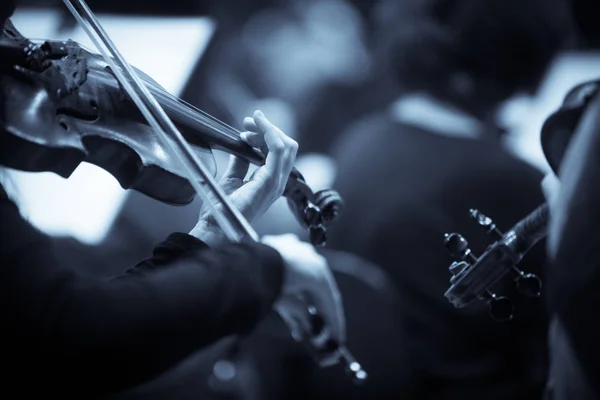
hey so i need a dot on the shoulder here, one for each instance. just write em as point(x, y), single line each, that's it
point(373, 135)
point(364, 130)
point(4, 198)
point(504, 162)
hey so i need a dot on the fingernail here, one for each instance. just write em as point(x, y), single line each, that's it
point(259, 113)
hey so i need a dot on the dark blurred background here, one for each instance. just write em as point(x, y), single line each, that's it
point(321, 70)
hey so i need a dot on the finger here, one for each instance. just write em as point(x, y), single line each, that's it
point(338, 309)
point(234, 175)
point(282, 150)
point(329, 360)
point(274, 138)
point(550, 187)
point(293, 312)
point(250, 125)
point(283, 238)
point(323, 292)
point(255, 139)
point(329, 303)
point(237, 168)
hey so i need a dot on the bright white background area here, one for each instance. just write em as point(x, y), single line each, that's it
point(526, 116)
point(86, 205)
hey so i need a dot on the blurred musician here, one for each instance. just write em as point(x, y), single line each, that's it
point(411, 173)
point(63, 334)
point(573, 278)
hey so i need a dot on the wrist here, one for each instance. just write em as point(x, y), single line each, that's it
point(208, 233)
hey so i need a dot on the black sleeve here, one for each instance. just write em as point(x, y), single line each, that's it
point(176, 245)
point(7, 7)
point(113, 335)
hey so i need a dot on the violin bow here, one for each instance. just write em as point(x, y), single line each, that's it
point(234, 225)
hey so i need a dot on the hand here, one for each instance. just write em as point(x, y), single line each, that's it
point(308, 277)
point(551, 188)
point(267, 183)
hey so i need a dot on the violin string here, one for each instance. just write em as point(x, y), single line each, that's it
point(174, 103)
point(188, 109)
point(195, 113)
point(195, 110)
point(164, 127)
point(181, 105)
point(194, 117)
point(201, 118)
point(216, 124)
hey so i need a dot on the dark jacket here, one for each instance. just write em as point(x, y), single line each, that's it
point(6, 9)
point(65, 334)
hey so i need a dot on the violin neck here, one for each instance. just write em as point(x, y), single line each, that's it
point(203, 130)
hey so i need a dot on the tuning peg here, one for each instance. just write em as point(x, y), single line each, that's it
point(318, 235)
point(485, 222)
point(330, 203)
point(501, 308)
point(528, 285)
point(312, 215)
point(458, 247)
point(456, 268)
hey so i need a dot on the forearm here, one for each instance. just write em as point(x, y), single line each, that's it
point(138, 328)
point(209, 234)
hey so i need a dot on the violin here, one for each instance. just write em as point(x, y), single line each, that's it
point(64, 105)
point(472, 277)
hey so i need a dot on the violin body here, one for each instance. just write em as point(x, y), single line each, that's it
point(63, 105)
point(70, 108)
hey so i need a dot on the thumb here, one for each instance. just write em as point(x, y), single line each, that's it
point(233, 178)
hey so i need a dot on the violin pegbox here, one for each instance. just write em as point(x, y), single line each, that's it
point(528, 285)
point(473, 276)
point(314, 211)
point(501, 308)
point(318, 213)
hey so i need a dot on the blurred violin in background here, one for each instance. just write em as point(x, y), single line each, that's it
point(474, 276)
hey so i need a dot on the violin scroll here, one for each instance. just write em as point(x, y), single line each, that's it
point(473, 276)
point(314, 211)
point(501, 308)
